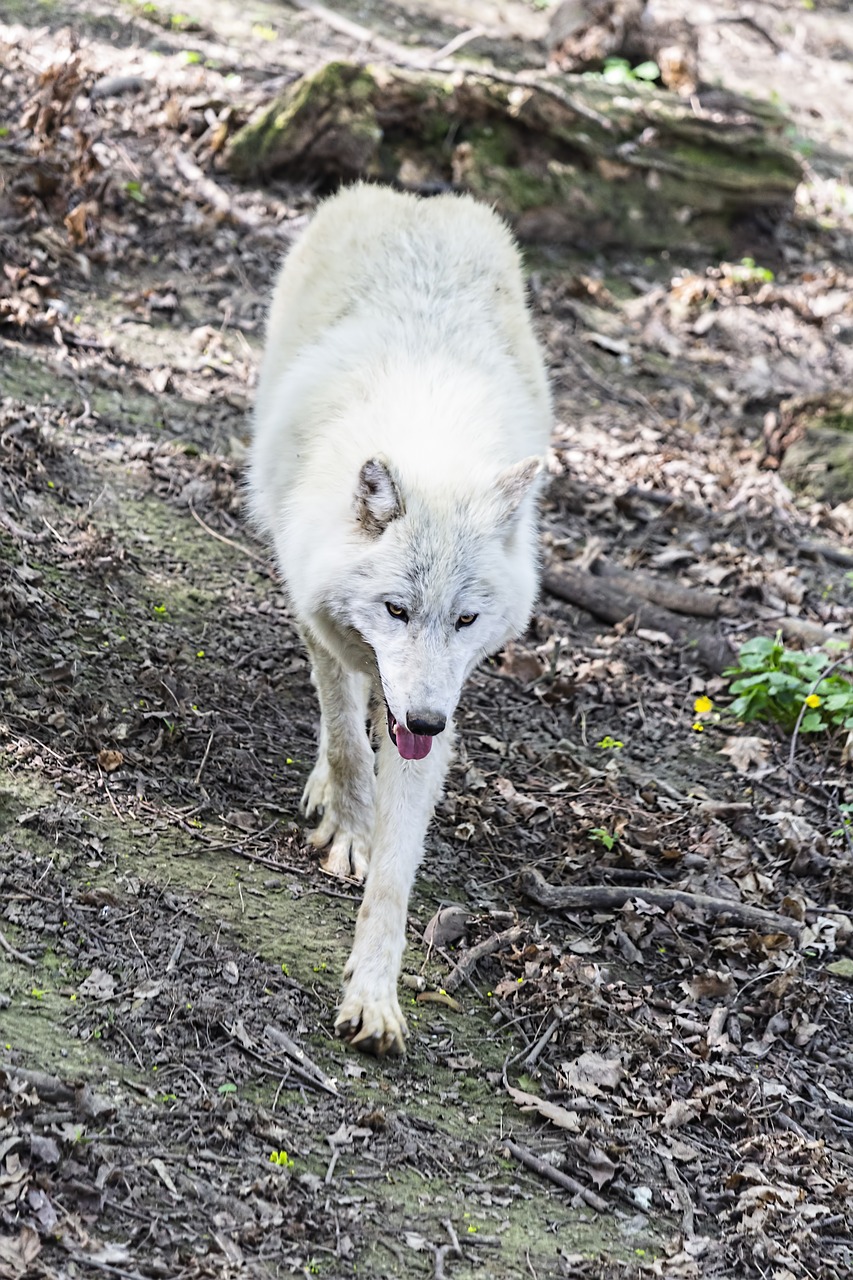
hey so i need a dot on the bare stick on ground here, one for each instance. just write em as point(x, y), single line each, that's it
point(14, 953)
point(608, 897)
point(546, 1170)
point(471, 958)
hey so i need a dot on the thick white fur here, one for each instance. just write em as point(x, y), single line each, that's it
point(398, 333)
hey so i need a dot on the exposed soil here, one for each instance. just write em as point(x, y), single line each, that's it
point(172, 1100)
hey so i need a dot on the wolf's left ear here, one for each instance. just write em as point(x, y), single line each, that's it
point(514, 484)
point(377, 497)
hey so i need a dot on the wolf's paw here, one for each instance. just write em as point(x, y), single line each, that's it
point(347, 855)
point(348, 850)
point(372, 1021)
point(319, 791)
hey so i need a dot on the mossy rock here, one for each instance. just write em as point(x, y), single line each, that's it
point(564, 159)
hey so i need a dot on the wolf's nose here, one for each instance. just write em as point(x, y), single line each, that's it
point(426, 723)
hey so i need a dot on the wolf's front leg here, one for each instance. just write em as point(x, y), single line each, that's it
point(370, 1014)
point(342, 782)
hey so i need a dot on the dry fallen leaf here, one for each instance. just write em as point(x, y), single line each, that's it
point(446, 926)
point(439, 997)
point(591, 1074)
point(679, 1112)
point(746, 754)
point(549, 1110)
point(99, 985)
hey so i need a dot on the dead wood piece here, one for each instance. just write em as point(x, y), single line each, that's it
point(472, 957)
point(304, 1066)
point(662, 591)
point(546, 1170)
point(825, 551)
point(15, 953)
point(611, 897)
point(560, 157)
point(802, 629)
point(614, 604)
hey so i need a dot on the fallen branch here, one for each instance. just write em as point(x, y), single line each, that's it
point(614, 604)
point(607, 897)
point(803, 630)
point(663, 591)
point(546, 1170)
point(825, 551)
point(474, 955)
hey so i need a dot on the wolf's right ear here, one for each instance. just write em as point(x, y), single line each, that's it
point(514, 484)
point(377, 498)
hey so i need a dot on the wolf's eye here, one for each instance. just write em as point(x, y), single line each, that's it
point(397, 611)
point(465, 620)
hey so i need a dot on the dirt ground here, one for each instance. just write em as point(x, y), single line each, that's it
point(173, 1102)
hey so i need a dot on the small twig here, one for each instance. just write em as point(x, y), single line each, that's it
point(229, 542)
point(474, 955)
point(454, 45)
point(682, 1195)
point(355, 31)
point(336, 1155)
point(750, 22)
point(106, 787)
point(540, 1044)
point(444, 1249)
point(280, 1040)
point(176, 953)
point(204, 759)
point(15, 953)
point(610, 897)
point(546, 1170)
point(16, 530)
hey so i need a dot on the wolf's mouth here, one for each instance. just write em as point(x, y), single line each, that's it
point(412, 746)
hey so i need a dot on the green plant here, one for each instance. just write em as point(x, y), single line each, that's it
point(620, 71)
point(602, 836)
point(772, 682)
point(846, 811)
point(746, 272)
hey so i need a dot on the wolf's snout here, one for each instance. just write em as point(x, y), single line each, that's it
point(425, 723)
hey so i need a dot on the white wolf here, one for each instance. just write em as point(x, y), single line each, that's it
point(401, 421)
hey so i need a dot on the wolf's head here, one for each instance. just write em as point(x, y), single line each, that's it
point(445, 575)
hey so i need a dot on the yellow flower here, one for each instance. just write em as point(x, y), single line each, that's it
point(703, 704)
point(812, 700)
point(700, 728)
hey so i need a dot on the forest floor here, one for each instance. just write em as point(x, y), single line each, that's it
point(173, 1102)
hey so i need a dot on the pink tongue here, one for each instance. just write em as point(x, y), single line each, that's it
point(412, 746)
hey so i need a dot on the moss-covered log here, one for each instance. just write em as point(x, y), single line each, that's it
point(564, 159)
